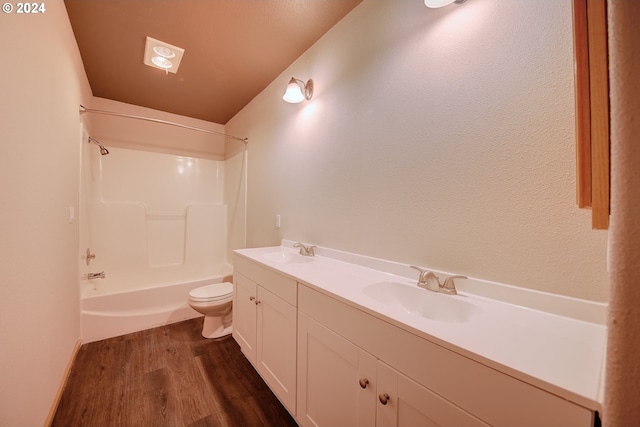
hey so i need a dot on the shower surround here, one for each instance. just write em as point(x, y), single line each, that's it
point(154, 221)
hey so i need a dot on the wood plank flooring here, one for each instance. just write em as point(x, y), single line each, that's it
point(167, 376)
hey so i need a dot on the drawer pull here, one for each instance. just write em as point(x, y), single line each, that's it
point(258, 301)
point(364, 382)
point(251, 298)
point(384, 398)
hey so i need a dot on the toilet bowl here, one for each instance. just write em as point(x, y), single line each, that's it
point(214, 301)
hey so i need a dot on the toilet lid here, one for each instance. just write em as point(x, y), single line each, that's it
point(215, 292)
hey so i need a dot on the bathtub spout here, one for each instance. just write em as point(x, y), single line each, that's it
point(100, 275)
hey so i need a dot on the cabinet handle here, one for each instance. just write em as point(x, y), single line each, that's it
point(384, 398)
point(364, 382)
point(258, 301)
point(251, 298)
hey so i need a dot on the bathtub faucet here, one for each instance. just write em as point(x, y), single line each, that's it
point(100, 275)
point(305, 250)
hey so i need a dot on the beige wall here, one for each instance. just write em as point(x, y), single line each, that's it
point(443, 138)
point(42, 82)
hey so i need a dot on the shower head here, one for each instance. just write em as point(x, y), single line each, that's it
point(103, 149)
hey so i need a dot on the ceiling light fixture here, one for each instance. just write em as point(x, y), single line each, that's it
point(297, 91)
point(157, 54)
point(441, 3)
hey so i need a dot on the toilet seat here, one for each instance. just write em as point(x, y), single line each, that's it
point(210, 293)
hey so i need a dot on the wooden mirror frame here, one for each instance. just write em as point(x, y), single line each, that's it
point(592, 108)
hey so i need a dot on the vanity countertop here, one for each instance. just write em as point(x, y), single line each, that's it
point(560, 354)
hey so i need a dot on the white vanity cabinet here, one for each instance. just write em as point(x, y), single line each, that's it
point(334, 358)
point(264, 325)
point(426, 384)
point(339, 384)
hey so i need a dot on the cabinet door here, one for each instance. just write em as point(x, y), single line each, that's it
point(244, 316)
point(404, 403)
point(330, 370)
point(276, 361)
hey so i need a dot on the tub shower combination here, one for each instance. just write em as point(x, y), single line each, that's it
point(154, 229)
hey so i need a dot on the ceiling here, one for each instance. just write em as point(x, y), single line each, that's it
point(233, 48)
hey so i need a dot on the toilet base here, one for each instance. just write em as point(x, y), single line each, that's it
point(216, 326)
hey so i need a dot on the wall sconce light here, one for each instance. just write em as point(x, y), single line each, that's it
point(441, 3)
point(298, 91)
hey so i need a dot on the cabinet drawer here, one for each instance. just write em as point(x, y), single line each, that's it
point(490, 395)
point(276, 283)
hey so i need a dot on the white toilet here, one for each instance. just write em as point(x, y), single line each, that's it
point(214, 301)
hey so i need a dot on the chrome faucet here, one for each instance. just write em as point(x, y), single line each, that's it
point(449, 286)
point(100, 275)
point(305, 250)
point(428, 280)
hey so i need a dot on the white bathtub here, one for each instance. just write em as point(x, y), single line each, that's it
point(110, 315)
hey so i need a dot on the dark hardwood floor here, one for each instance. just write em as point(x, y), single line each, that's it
point(167, 376)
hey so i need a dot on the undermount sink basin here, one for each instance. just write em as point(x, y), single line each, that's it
point(283, 257)
point(423, 303)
